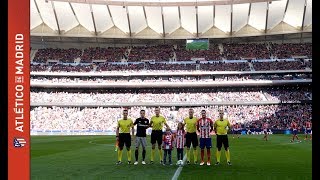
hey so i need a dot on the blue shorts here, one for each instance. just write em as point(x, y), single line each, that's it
point(308, 131)
point(205, 142)
point(294, 132)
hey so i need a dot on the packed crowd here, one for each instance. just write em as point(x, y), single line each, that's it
point(117, 67)
point(231, 51)
point(63, 55)
point(288, 95)
point(213, 53)
point(164, 79)
point(287, 50)
point(71, 68)
point(308, 64)
point(38, 67)
point(248, 77)
point(221, 66)
point(110, 54)
point(278, 65)
point(157, 53)
point(103, 119)
point(170, 67)
point(245, 51)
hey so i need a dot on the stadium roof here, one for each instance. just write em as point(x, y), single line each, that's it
point(170, 19)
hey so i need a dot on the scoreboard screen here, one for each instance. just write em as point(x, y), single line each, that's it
point(196, 44)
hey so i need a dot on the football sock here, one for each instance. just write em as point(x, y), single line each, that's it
point(119, 155)
point(218, 155)
point(136, 153)
point(160, 155)
point(195, 155)
point(228, 155)
point(143, 154)
point(152, 154)
point(129, 155)
point(188, 154)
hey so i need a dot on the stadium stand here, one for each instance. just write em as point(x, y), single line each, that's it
point(59, 118)
point(231, 51)
point(110, 54)
point(157, 53)
point(245, 51)
point(63, 55)
point(289, 50)
point(162, 96)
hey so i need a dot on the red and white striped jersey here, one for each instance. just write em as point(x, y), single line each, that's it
point(294, 125)
point(265, 126)
point(180, 138)
point(167, 141)
point(204, 126)
point(308, 125)
point(236, 127)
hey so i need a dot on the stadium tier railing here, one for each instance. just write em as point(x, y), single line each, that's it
point(169, 84)
point(160, 73)
point(163, 104)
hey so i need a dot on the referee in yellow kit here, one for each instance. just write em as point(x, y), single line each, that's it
point(191, 136)
point(123, 136)
point(221, 127)
point(156, 123)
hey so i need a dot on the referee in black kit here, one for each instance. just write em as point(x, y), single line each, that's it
point(141, 137)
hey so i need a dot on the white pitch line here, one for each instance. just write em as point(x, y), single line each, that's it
point(178, 171)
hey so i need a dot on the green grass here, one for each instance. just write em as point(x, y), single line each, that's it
point(197, 45)
point(93, 157)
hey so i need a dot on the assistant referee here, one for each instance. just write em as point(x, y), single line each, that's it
point(221, 127)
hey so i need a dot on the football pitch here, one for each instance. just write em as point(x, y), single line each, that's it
point(94, 157)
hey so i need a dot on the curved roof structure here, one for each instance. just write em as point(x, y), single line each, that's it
point(170, 19)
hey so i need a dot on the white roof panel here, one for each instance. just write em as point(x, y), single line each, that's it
point(65, 16)
point(188, 18)
point(47, 13)
point(223, 17)
point(308, 16)
point(154, 18)
point(119, 15)
point(83, 14)
point(294, 13)
point(205, 18)
point(258, 15)
point(137, 19)
point(35, 19)
point(276, 11)
point(102, 17)
point(171, 19)
point(240, 16)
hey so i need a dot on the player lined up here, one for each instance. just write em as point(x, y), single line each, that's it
point(168, 141)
